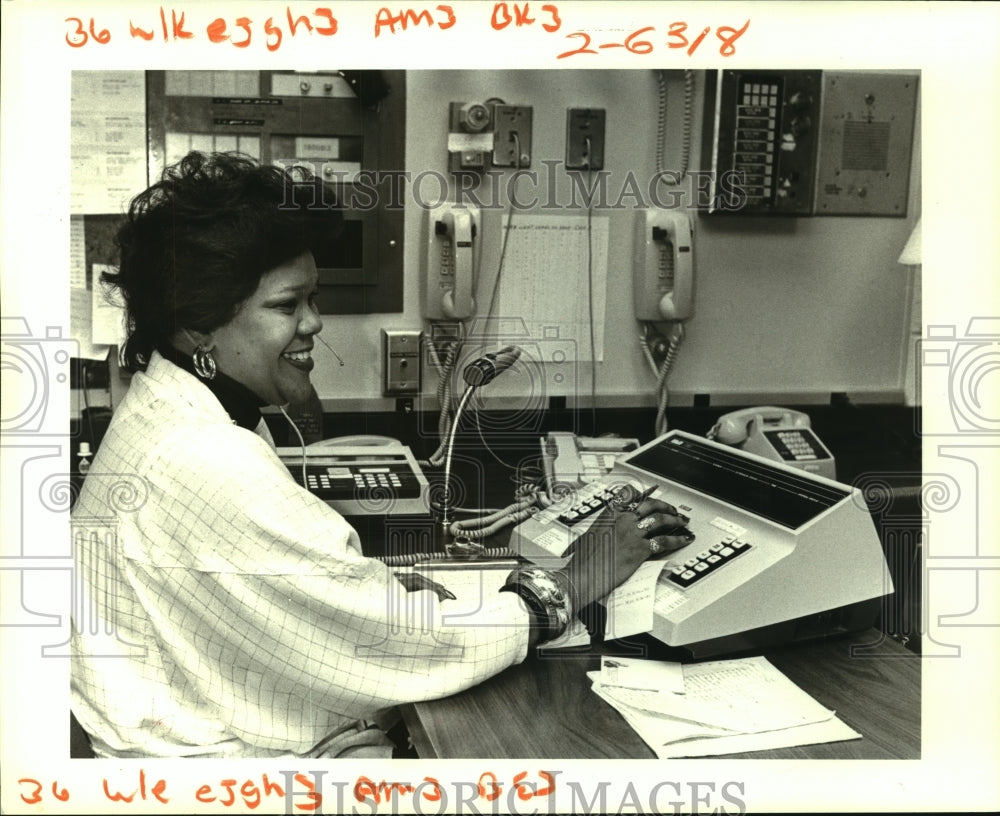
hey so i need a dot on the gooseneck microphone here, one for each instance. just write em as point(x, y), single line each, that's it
point(486, 368)
point(479, 372)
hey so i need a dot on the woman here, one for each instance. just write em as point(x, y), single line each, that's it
point(245, 620)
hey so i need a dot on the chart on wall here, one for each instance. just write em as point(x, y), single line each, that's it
point(554, 280)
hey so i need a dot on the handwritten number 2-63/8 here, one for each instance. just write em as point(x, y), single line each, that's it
point(638, 42)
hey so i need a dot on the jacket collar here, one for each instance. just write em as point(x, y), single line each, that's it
point(242, 404)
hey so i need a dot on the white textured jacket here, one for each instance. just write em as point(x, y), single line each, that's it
point(225, 611)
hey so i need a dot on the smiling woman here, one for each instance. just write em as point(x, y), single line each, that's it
point(196, 245)
point(229, 611)
point(267, 344)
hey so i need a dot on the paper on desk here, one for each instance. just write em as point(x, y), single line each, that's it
point(746, 696)
point(728, 706)
point(630, 606)
point(671, 739)
point(832, 730)
point(657, 730)
point(659, 677)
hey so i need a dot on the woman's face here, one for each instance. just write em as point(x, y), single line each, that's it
point(267, 345)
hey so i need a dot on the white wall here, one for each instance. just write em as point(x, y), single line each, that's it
point(786, 309)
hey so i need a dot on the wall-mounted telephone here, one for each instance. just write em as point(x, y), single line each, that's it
point(570, 460)
point(663, 266)
point(450, 260)
point(776, 433)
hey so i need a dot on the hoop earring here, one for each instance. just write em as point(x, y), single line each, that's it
point(204, 363)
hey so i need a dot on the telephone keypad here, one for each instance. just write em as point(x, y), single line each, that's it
point(586, 507)
point(797, 445)
point(715, 557)
point(340, 482)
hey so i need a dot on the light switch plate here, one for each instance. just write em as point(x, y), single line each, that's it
point(401, 365)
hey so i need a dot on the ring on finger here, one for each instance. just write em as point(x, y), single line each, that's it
point(645, 523)
point(654, 547)
point(621, 500)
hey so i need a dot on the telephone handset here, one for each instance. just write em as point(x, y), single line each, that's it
point(450, 262)
point(570, 460)
point(776, 433)
point(663, 266)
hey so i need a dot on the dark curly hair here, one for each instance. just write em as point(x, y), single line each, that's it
point(195, 245)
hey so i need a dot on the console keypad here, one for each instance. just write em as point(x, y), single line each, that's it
point(708, 561)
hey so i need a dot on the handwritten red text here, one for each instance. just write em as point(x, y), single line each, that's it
point(240, 32)
point(489, 787)
point(520, 15)
point(143, 790)
point(33, 793)
point(644, 40)
point(443, 17)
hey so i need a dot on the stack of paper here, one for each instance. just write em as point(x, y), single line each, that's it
point(721, 707)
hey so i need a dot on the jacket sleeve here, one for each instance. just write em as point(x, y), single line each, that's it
point(259, 595)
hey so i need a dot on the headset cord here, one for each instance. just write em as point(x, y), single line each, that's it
point(302, 442)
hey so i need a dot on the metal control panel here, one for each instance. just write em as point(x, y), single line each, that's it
point(764, 141)
point(809, 142)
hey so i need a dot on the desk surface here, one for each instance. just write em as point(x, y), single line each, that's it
point(544, 708)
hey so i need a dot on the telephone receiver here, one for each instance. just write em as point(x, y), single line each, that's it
point(734, 428)
point(450, 262)
point(664, 266)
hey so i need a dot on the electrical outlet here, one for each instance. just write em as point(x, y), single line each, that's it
point(400, 362)
point(585, 139)
point(512, 135)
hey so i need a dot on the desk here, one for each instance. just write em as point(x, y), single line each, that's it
point(544, 708)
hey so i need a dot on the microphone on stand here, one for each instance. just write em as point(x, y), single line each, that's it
point(479, 372)
point(486, 368)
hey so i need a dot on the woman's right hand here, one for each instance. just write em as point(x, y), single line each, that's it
point(618, 542)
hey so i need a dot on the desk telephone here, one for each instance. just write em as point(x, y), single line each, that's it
point(780, 553)
point(570, 460)
point(776, 433)
point(361, 475)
